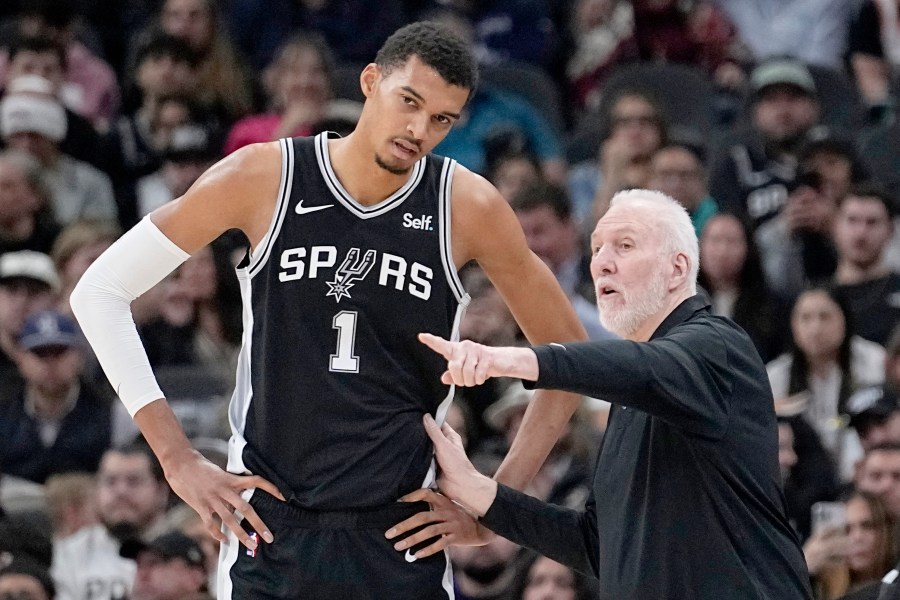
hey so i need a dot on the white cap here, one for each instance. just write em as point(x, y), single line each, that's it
point(28, 264)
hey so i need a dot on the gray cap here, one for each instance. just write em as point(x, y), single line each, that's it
point(782, 72)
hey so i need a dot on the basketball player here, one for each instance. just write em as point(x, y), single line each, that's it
point(355, 247)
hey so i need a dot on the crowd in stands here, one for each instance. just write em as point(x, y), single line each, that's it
point(774, 122)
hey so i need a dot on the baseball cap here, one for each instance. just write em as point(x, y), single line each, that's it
point(826, 139)
point(167, 546)
point(782, 72)
point(871, 404)
point(30, 111)
point(28, 264)
point(49, 328)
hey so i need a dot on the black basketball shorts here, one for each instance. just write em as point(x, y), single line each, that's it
point(334, 555)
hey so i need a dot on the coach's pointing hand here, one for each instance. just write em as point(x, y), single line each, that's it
point(470, 364)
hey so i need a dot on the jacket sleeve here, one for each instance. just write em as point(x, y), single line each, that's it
point(567, 536)
point(684, 377)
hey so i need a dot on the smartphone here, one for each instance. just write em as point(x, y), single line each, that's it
point(829, 516)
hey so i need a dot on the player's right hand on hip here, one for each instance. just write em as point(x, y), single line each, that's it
point(216, 496)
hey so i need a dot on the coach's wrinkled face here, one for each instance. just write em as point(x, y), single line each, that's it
point(628, 268)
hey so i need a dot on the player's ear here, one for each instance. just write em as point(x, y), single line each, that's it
point(368, 79)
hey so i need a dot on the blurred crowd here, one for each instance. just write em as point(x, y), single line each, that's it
point(774, 122)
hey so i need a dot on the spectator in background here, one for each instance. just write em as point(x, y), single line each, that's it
point(77, 246)
point(826, 363)
point(842, 562)
point(484, 572)
point(512, 171)
point(299, 84)
point(696, 33)
point(874, 52)
point(222, 82)
point(202, 323)
point(565, 476)
point(90, 88)
point(545, 214)
point(56, 423)
point(679, 170)
point(892, 361)
point(603, 38)
point(169, 567)
point(834, 157)
point(23, 579)
point(46, 58)
point(636, 129)
point(26, 222)
point(71, 503)
point(32, 120)
point(731, 273)
point(807, 470)
point(28, 284)
point(491, 114)
point(862, 230)
point(796, 245)
point(512, 31)
point(354, 29)
point(811, 31)
point(879, 474)
point(541, 578)
point(875, 415)
point(156, 100)
point(190, 151)
point(131, 498)
point(751, 172)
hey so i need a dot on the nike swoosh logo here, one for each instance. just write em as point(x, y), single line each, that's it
point(302, 210)
point(409, 556)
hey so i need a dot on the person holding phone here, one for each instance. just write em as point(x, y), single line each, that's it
point(796, 246)
point(851, 547)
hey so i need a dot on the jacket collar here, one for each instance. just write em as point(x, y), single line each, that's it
point(681, 314)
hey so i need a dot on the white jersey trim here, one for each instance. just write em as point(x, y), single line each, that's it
point(243, 387)
point(264, 249)
point(445, 194)
point(444, 407)
point(344, 197)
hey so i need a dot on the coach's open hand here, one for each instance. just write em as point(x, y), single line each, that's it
point(471, 364)
point(460, 481)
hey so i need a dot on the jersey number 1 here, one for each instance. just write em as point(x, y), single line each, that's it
point(344, 361)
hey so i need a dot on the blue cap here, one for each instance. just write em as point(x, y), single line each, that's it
point(49, 328)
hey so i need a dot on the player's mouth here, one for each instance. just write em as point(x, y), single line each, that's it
point(404, 149)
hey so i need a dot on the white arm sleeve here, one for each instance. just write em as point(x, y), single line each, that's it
point(102, 304)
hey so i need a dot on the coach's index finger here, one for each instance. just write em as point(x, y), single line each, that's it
point(438, 344)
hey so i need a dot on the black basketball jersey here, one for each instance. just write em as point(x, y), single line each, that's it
point(332, 382)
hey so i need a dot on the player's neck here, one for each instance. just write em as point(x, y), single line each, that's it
point(353, 163)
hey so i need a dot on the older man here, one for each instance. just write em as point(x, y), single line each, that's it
point(686, 500)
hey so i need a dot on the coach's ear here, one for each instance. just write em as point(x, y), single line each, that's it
point(368, 79)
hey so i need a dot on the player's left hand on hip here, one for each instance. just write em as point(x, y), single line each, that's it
point(468, 363)
point(446, 521)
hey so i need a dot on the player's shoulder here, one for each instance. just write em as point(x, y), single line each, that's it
point(471, 191)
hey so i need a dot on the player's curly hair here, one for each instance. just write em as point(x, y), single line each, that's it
point(436, 46)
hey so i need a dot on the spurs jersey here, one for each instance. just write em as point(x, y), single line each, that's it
point(332, 382)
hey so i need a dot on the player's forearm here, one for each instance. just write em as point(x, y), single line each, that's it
point(160, 427)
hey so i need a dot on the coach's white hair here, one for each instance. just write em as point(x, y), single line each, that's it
point(674, 223)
